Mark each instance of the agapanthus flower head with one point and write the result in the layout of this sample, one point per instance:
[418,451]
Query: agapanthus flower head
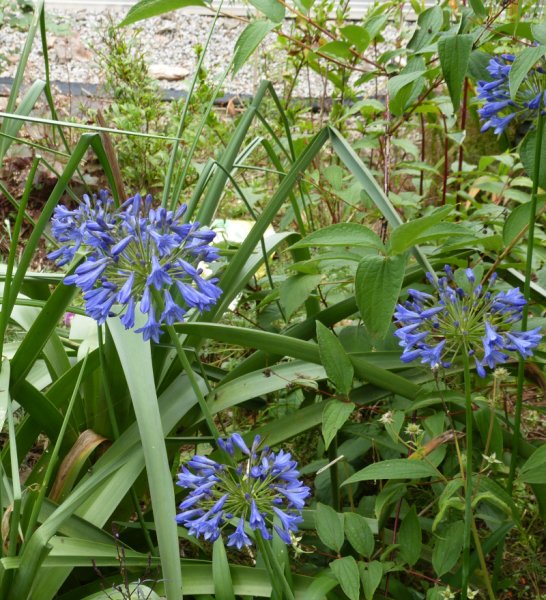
[262,493]
[137,256]
[437,328]
[499,109]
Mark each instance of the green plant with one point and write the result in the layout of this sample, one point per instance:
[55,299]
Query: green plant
[311,345]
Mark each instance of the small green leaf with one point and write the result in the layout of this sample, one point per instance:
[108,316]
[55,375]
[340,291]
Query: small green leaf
[396,468]
[334,416]
[410,538]
[251,37]
[337,49]
[454,52]
[377,287]
[329,526]
[146,9]
[478,7]
[534,470]
[357,35]
[359,534]
[400,87]
[346,572]
[447,548]
[403,237]
[539,32]
[295,290]
[341,234]
[337,364]
[272,9]
[522,65]
[527,156]
[371,575]
[429,23]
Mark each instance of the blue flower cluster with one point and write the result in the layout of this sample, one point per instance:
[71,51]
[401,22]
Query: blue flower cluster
[136,254]
[499,109]
[261,493]
[437,328]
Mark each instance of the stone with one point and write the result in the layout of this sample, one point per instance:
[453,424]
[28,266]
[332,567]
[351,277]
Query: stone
[168,72]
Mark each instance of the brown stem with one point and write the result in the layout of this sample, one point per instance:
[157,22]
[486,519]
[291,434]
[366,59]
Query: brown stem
[446,162]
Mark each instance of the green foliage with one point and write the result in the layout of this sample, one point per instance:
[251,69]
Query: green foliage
[363,200]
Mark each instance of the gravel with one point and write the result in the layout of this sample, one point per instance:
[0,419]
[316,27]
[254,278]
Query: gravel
[169,42]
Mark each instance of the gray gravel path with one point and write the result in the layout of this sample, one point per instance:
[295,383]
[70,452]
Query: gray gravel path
[169,41]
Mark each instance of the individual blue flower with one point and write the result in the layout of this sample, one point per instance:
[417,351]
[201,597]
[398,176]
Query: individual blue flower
[136,256]
[499,108]
[463,316]
[263,491]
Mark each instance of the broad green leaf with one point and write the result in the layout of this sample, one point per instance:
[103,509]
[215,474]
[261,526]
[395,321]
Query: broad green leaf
[304,5]
[357,35]
[396,468]
[337,364]
[454,52]
[264,381]
[146,9]
[371,575]
[524,62]
[4,391]
[251,37]
[539,32]
[136,359]
[334,416]
[517,220]
[410,537]
[223,586]
[295,290]
[478,7]
[337,49]
[329,526]
[272,9]
[534,469]
[341,234]
[399,90]
[403,237]
[445,231]
[527,155]
[320,587]
[346,572]
[477,64]
[378,283]
[447,548]
[359,534]
[429,23]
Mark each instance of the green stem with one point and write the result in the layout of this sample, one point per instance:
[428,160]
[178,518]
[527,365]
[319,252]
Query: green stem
[205,410]
[277,572]
[483,564]
[468,479]
[334,474]
[186,365]
[527,294]
[516,440]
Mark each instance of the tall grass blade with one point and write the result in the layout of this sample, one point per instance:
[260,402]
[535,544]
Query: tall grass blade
[136,359]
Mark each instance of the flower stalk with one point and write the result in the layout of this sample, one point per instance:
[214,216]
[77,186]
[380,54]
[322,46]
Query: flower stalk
[468,518]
